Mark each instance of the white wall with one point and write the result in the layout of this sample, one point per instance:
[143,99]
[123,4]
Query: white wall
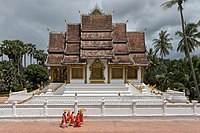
[101,108]
[77,81]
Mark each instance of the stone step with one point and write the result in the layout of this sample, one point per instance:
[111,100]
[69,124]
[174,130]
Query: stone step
[97,89]
[96,92]
[67,94]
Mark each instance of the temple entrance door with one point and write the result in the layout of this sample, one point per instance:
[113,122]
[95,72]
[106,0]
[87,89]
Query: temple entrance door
[97,72]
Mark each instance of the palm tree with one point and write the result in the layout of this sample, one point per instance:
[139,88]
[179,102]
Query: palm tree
[192,34]
[1,52]
[152,59]
[40,56]
[13,49]
[31,50]
[163,44]
[24,52]
[169,4]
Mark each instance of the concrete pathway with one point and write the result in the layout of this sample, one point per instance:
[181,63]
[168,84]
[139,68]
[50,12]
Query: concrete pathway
[102,127]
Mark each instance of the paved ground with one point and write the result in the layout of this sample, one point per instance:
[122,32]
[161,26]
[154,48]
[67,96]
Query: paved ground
[102,127]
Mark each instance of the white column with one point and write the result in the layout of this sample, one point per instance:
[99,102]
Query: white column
[105,71]
[103,107]
[164,107]
[133,107]
[194,107]
[14,108]
[45,107]
[75,106]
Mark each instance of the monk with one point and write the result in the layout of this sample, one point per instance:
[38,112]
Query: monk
[64,120]
[68,116]
[71,120]
[81,117]
[77,120]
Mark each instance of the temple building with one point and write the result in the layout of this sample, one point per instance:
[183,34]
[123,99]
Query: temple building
[96,51]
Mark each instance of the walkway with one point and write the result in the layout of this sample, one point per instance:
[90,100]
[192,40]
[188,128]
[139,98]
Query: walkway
[102,127]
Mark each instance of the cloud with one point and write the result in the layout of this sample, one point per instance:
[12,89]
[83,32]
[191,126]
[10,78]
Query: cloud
[28,20]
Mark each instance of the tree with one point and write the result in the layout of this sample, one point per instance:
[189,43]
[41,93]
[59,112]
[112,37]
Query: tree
[14,50]
[154,68]
[24,52]
[31,50]
[8,76]
[163,44]
[1,52]
[192,34]
[40,56]
[169,4]
[35,74]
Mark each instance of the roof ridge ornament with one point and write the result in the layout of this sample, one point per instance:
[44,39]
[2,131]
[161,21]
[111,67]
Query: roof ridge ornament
[96,10]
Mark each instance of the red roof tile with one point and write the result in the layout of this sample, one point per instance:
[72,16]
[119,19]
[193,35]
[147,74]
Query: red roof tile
[121,59]
[119,32]
[120,48]
[96,35]
[139,59]
[96,22]
[73,33]
[136,41]
[96,54]
[56,42]
[54,59]
[72,48]
[72,59]
[96,44]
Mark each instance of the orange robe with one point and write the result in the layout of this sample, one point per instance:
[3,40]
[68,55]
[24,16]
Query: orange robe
[68,116]
[71,119]
[81,117]
[77,121]
[64,120]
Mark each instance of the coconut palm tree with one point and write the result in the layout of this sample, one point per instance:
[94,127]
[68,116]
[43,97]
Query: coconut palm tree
[192,35]
[163,44]
[169,4]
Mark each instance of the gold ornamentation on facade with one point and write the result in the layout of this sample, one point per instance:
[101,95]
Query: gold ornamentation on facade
[117,72]
[77,73]
[97,70]
[132,72]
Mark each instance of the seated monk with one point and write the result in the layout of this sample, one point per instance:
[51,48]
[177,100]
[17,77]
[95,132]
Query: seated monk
[77,121]
[71,120]
[64,120]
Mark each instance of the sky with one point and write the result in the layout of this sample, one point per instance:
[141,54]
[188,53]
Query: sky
[28,20]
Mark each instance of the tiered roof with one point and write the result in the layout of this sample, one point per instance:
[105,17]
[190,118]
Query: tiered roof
[96,37]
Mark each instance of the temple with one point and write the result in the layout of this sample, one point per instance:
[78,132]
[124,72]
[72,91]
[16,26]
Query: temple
[96,51]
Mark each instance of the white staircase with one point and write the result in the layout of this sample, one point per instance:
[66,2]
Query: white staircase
[96,90]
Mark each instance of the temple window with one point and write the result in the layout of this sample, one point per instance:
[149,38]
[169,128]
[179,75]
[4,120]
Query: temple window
[117,73]
[77,73]
[132,72]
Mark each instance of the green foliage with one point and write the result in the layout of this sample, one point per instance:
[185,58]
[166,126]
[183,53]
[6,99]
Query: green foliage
[192,34]
[174,74]
[12,72]
[163,44]
[8,76]
[35,74]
